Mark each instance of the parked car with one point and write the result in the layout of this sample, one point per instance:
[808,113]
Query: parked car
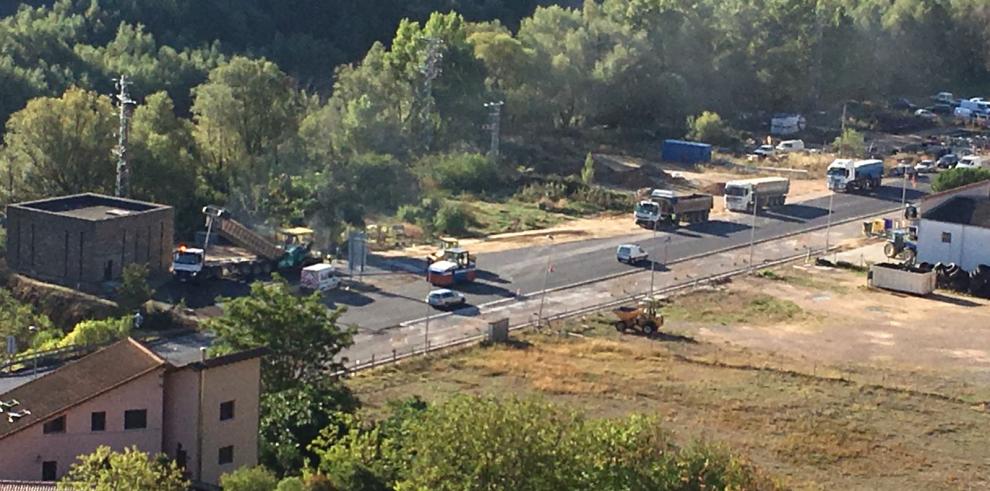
[942,109]
[444,298]
[764,151]
[631,254]
[925,167]
[947,161]
[902,104]
[944,97]
[901,169]
[925,114]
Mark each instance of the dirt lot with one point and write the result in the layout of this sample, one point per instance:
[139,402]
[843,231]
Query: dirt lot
[802,370]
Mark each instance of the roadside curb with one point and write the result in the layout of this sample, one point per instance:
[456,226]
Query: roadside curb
[632,272]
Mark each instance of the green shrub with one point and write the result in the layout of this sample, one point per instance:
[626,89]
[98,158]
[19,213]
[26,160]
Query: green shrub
[955,178]
[462,172]
[255,478]
[453,219]
[710,128]
[850,143]
[134,290]
[92,332]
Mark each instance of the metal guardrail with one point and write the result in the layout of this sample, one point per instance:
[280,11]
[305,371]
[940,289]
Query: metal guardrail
[424,349]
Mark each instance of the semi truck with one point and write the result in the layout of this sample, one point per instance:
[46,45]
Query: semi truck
[253,255]
[744,194]
[849,175]
[669,208]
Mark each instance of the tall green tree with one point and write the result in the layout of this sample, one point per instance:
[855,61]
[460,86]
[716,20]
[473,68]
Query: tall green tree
[62,145]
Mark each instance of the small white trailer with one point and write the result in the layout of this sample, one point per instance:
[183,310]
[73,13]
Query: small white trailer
[901,278]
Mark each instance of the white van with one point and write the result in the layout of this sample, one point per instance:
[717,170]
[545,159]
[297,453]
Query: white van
[787,146]
[319,277]
[972,162]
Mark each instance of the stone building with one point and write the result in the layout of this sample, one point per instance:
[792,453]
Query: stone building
[86,239]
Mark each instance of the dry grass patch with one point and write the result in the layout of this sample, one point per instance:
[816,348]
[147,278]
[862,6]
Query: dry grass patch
[736,307]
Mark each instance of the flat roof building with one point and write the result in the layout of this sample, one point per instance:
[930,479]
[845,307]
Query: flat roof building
[86,239]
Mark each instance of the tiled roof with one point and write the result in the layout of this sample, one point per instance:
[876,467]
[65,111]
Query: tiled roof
[27,486]
[77,382]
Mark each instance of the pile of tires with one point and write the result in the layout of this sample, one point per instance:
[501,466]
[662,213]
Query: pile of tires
[979,281]
[951,277]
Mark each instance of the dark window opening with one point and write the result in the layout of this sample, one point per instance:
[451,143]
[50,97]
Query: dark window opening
[98,421]
[226,455]
[135,419]
[181,457]
[226,410]
[49,470]
[947,237]
[56,425]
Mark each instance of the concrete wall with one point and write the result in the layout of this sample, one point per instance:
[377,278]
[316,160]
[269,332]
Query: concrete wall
[181,417]
[73,252]
[22,453]
[239,382]
[969,246]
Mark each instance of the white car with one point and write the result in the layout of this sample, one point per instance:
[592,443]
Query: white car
[631,254]
[925,167]
[925,114]
[444,298]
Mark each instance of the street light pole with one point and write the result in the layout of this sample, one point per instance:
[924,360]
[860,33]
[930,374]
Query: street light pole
[426,333]
[904,190]
[828,225]
[34,336]
[653,261]
[752,230]
[546,278]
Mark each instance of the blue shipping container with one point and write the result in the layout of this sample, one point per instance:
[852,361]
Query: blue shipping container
[686,152]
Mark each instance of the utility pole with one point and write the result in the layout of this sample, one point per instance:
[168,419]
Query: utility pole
[653,260]
[546,278]
[431,68]
[828,225]
[842,132]
[495,113]
[752,230]
[123,97]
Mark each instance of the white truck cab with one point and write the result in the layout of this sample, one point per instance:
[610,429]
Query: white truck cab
[187,263]
[788,146]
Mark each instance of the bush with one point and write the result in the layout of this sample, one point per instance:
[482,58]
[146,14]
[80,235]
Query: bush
[955,178]
[463,172]
[255,478]
[93,332]
[710,128]
[850,143]
[588,171]
[134,290]
[453,219]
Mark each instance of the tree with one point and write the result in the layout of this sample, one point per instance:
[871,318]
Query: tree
[850,143]
[709,127]
[93,333]
[255,478]
[134,290]
[62,145]
[588,171]
[302,334]
[17,317]
[452,219]
[106,470]
[954,178]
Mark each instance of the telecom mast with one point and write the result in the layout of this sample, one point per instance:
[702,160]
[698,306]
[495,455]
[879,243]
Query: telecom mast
[125,102]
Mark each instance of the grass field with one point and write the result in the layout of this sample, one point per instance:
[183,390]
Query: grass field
[814,430]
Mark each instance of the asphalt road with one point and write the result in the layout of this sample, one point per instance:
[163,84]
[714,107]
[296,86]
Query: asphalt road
[503,274]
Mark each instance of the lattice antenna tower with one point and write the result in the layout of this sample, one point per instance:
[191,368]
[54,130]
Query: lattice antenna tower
[126,105]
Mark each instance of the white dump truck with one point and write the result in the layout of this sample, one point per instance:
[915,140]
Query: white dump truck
[761,192]
[667,207]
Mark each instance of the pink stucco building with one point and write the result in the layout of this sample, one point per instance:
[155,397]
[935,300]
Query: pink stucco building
[204,415]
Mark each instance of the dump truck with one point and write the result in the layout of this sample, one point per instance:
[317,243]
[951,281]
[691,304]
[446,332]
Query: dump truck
[644,317]
[744,194]
[252,255]
[669,208]
[850,175]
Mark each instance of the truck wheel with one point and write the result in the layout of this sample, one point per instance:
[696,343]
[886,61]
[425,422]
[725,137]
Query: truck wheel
[650,328]
[620,326]
[909,256]
[889,250]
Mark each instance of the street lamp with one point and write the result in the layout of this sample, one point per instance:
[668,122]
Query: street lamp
[34,337]
[828,224]
[653,262]
[546,278]
[752,229]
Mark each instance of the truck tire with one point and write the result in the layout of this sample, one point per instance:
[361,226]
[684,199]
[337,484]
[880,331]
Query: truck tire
[889,250]
[650,328]
[620,326]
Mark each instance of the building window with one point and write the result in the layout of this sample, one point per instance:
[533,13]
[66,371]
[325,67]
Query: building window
[135,419]
[49,470]
[226,455]
[56,425]
[226,410]
[946,237]
[98,421]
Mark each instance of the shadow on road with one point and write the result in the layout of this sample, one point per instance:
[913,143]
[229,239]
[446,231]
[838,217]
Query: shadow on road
[492,277]
[648,265]
[720,228]
[202,295]
[893,193]
[479,288]
[467,310]
[962,302]
[795,213]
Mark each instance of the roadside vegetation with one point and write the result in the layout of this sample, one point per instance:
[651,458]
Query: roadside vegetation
[286,121]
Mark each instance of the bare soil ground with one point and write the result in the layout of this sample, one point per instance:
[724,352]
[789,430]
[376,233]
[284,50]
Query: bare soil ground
[804,371]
